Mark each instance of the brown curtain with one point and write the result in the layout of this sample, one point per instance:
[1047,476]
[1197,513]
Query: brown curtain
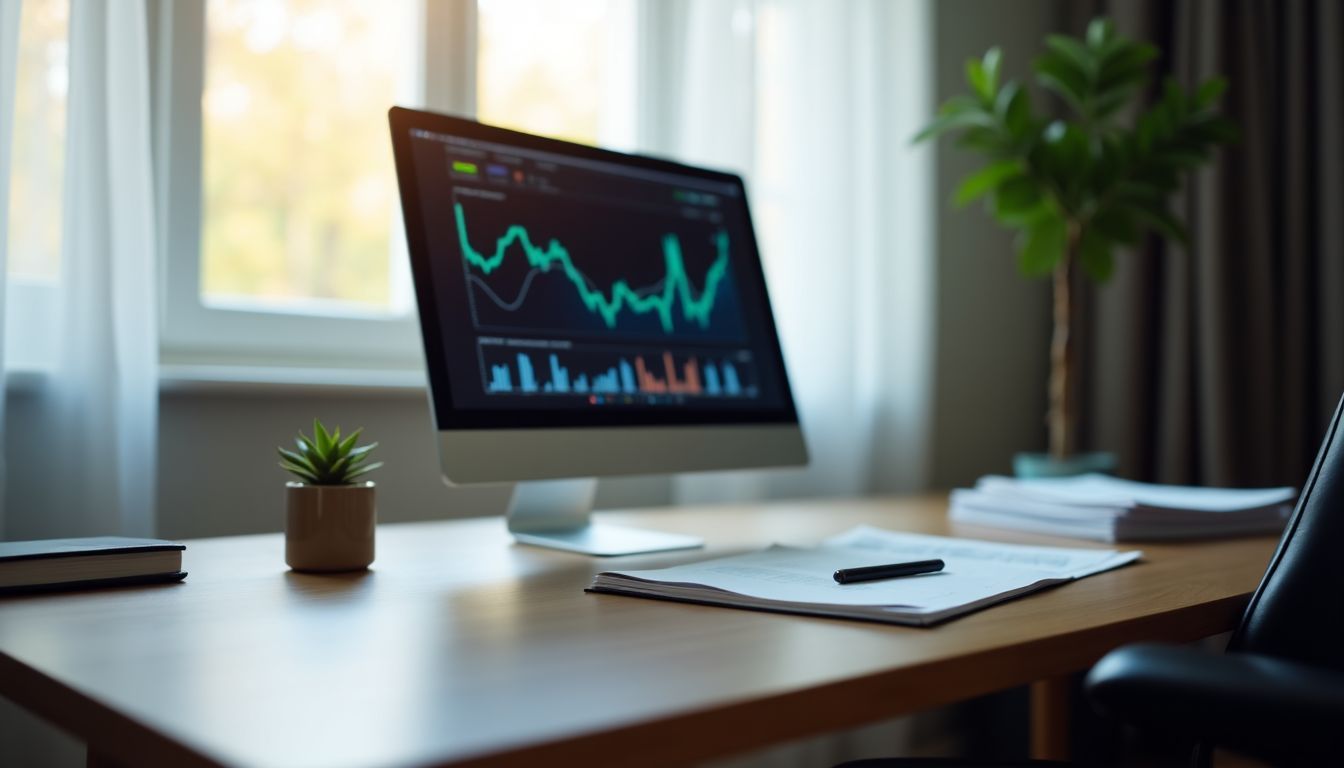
[1220,364]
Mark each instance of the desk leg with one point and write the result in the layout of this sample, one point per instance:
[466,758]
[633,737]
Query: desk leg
[98,760]
[1050,718]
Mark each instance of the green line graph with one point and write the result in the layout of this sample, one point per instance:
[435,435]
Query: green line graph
[676,285]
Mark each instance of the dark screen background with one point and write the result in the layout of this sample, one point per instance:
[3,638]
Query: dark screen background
[583,287]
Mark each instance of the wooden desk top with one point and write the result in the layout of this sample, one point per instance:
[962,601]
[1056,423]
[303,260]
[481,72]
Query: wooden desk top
[461,647]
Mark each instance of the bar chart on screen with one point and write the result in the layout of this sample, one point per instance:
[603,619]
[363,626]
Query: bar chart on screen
[617,373]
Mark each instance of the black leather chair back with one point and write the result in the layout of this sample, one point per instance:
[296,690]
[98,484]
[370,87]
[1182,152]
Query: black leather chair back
[1297,612]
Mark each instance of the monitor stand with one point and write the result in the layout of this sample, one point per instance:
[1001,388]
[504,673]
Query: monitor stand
[555,514]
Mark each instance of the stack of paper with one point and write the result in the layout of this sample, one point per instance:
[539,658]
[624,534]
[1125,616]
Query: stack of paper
[1110,509]
[792,580]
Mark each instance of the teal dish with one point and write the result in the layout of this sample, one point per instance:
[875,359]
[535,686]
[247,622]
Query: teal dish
[1030,465]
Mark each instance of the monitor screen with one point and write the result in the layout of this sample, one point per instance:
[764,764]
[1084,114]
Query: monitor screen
[561,285]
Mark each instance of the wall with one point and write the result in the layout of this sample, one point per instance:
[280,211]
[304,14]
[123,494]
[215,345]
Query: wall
[991,351]
[218,472]
[204,431]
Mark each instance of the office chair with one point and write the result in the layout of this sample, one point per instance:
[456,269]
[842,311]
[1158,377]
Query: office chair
[1278,693]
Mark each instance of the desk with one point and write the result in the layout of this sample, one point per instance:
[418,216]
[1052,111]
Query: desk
[462,648]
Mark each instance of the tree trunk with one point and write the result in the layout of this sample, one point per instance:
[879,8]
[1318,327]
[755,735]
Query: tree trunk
[1061,416]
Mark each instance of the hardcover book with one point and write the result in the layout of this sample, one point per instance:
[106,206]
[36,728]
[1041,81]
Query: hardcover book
[55,564]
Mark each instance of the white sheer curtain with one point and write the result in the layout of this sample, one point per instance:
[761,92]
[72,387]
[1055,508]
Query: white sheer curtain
[97,408]
[9,53]
[815,102]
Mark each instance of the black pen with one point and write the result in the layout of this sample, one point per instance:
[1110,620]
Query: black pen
[892,571]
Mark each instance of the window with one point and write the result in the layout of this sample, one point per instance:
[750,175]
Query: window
[299,191]
[36,177]
[282,235]
[39,141]
[559,69]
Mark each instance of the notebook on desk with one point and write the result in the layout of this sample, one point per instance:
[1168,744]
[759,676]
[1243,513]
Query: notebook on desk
[99,561]
[977,574]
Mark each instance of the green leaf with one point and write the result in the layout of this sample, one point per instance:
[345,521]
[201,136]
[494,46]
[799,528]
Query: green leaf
[1073,50]
[1176,102]
[1140,192]
[363,449]
[349,442]
[320,435]
[1016,199]
[327,458]
[1182,159]
[1065,158]
[985,180]
[953,121]
[321,464]
[1125,63]
[340,469]
[1107,105]
[1211,129]
[983,75]
[363,471]
[987,141]
[991,64]
[961,103]
[1058,75]
[1013,110]
[1161,220]
[1042,247]
[1094,254]
[1210,91]
[299,472]
[301,468]
[1101,172]
[1066,144]
[1116,224]
[295,459]
[979,81]
[1100,32]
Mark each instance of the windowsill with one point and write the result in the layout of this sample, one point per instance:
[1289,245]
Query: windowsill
[24,380]
[268,378]
[229,379]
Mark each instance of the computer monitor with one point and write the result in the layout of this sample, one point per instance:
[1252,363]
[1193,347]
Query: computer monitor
[586,313]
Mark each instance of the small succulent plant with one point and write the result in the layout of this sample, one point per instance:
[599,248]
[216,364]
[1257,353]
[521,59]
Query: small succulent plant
[326,458]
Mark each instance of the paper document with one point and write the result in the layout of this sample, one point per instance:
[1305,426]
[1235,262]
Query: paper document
[799,580]
[1105,491]
[1111,509]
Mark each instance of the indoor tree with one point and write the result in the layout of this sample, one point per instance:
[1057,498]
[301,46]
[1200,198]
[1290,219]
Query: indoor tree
[1080,186]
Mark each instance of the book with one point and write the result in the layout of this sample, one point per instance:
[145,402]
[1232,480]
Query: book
[1111,509]
[976,575]
[54,564]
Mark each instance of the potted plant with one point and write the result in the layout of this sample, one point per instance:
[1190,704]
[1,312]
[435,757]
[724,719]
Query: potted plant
[1079,187]
[330,517]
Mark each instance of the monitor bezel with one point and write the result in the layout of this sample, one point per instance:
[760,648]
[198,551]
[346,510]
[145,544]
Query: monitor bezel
[402,121]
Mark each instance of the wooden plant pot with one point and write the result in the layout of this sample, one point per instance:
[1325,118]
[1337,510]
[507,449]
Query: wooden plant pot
[329,527]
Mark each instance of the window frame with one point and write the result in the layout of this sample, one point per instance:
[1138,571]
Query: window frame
[194,335]
[29,306]
[192,332]
[30,316]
